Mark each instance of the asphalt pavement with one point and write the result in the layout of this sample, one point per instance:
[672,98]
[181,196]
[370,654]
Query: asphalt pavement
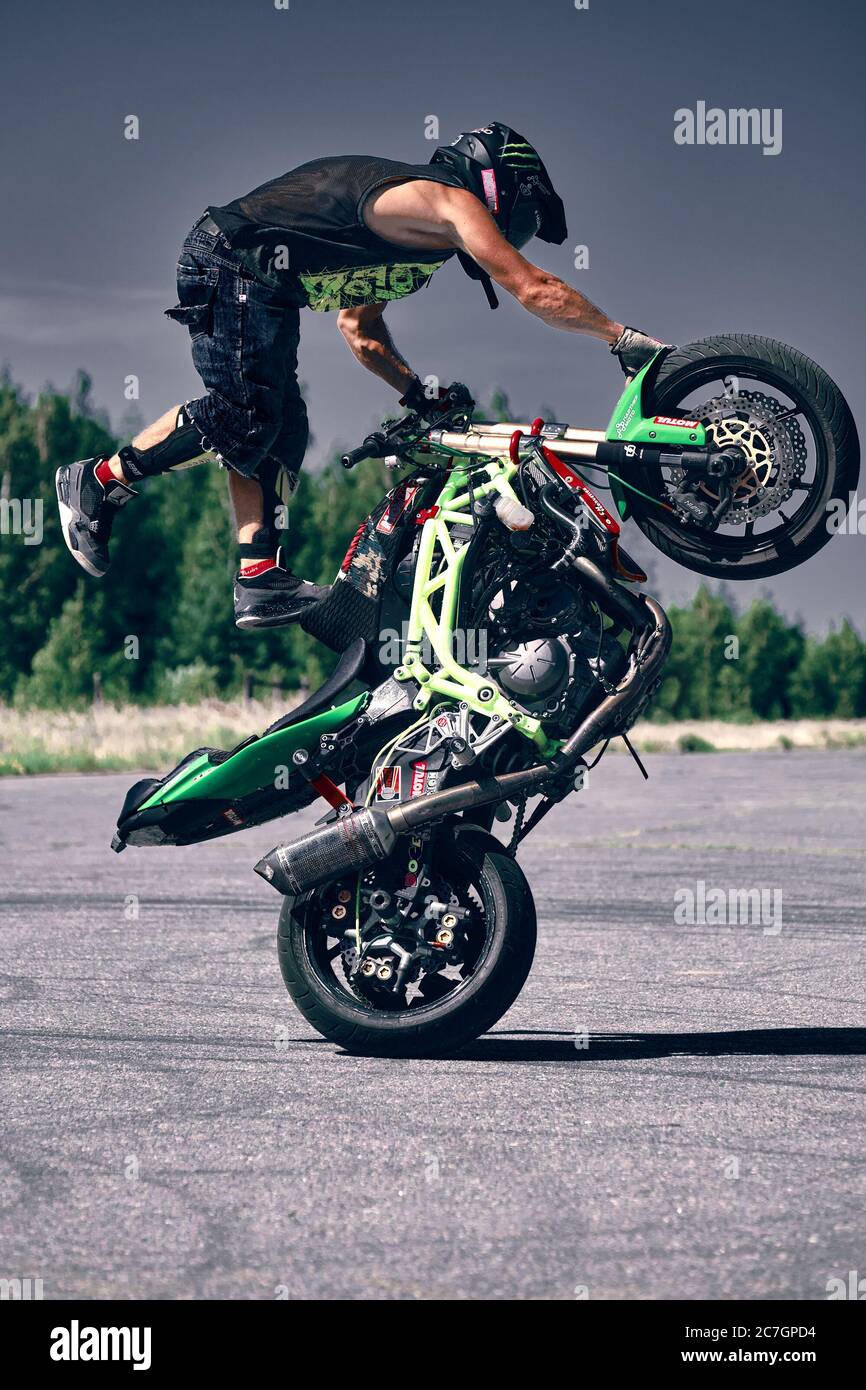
[672,1109]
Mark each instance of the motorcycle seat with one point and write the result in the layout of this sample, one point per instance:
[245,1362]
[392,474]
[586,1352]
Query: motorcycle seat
[347,670]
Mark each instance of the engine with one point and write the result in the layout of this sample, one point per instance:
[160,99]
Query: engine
[551,653]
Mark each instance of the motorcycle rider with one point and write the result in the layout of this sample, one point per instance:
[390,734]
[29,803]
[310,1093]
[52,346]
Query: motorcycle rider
[345,233]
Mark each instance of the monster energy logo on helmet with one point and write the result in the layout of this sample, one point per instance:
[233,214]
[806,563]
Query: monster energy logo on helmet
[519,153]
[507,174]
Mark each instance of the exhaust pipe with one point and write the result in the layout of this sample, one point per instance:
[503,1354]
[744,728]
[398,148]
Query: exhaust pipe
[365,837]
[356,841]
[351,843]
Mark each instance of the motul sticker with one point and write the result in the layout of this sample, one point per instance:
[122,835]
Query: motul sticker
[491,192]
[403,495]
[671,420]
[388,784]
[419,779]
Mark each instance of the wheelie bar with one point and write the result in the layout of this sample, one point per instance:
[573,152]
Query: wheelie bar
[356,841]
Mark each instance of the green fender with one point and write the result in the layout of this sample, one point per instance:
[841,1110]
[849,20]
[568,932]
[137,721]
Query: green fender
[633,422]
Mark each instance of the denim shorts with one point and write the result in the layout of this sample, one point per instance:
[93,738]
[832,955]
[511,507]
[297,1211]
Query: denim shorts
[244,339]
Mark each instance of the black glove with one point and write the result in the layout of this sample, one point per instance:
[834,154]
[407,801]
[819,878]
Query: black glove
[431,407]
[634,349]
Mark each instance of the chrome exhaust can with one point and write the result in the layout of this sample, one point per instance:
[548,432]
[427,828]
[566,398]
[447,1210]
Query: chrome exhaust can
[351,843]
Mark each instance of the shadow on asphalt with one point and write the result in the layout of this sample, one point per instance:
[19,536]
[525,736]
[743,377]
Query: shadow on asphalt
[538,1046]
[541,1045]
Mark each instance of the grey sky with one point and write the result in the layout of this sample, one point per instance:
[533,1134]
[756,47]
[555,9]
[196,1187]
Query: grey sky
[683,241]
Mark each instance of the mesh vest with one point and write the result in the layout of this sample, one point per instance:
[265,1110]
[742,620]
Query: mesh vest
[304,233]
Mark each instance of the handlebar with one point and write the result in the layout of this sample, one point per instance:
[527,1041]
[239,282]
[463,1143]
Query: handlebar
[457,400]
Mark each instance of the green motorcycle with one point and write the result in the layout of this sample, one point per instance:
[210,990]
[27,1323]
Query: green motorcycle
[491,636]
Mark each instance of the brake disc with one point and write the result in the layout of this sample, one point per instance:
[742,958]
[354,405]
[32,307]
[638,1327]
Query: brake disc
[776,453]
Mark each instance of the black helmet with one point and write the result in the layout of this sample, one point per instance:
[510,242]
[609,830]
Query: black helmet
[506,173]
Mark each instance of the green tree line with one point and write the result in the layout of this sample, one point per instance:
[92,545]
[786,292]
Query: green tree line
[160,627]
[755,664]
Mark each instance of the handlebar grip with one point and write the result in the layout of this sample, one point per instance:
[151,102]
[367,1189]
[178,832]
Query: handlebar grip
[355,456]
[372,448]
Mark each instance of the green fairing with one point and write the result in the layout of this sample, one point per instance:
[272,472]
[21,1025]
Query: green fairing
[352,286]
[255,766]
[628,426]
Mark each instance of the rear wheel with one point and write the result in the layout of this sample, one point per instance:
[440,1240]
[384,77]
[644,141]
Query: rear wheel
[430,975]
[801,452]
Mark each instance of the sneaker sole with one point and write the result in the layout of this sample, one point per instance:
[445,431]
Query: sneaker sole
[246,621]
[68,519]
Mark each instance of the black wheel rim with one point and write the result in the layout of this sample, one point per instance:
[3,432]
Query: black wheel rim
[758,539]
[424,993]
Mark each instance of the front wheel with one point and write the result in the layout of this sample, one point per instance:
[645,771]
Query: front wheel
[387,974]
[801,457]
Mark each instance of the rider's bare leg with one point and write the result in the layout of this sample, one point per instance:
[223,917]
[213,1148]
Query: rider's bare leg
[153,434]
[248,503]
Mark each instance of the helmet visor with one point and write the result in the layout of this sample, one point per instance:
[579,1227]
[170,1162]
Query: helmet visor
[524,221]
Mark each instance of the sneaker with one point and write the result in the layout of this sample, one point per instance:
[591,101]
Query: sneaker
[87,511]
[275,597]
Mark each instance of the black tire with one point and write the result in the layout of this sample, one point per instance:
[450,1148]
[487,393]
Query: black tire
[436,1028]
[836,445]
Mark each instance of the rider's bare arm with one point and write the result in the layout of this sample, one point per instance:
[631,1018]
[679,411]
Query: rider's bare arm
[367,334]
[435,216]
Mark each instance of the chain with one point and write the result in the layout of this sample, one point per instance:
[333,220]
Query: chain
[519,813]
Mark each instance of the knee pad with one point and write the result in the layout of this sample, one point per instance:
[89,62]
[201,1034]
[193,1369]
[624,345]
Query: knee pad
[182,447]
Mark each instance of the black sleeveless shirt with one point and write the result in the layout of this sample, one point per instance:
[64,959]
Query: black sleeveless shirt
[304,232]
